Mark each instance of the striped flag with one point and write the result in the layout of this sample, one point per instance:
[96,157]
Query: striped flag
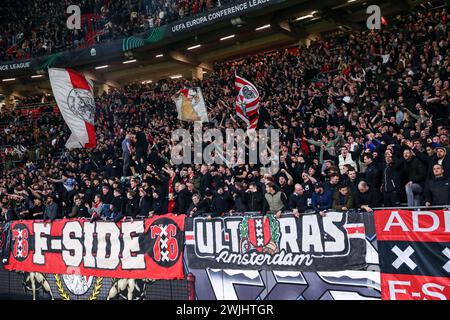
[247,102]
[75,99]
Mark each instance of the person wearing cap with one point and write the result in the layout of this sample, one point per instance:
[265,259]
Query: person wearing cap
[322,199]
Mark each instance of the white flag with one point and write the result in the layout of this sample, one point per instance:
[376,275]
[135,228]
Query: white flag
[75,99]
[190,105]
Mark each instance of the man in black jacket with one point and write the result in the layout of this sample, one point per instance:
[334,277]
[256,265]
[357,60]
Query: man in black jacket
[440,157]
[132,205]
[157,205]
[145,203]
[220,202]
[117,204]
[239,197]
[366,198]
[415,172]
[390,185]
[298,202]
[183,198]
[437,189]
[254,199]
[198,206]
[141,145]
[7,211]
[205,179]
[372,174]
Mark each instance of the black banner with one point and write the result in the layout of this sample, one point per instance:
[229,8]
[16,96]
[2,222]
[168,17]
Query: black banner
[5,242]
[309,243]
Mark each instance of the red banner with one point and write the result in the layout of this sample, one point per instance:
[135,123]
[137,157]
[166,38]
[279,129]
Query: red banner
[139,249]
[414,252]
[405,287]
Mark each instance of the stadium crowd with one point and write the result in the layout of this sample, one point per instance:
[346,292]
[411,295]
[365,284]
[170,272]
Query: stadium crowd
[363,119]
[40,28]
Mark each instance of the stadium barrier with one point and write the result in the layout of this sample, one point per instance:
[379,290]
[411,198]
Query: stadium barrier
[394,253]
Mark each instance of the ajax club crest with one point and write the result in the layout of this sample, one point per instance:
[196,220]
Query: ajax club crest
[260,233]
[82,104]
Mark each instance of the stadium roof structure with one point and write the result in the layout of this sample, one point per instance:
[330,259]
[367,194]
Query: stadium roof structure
[189,47]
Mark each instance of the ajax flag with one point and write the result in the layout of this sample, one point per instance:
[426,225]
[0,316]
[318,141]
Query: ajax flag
[247,102]
[75,99]
[190,105]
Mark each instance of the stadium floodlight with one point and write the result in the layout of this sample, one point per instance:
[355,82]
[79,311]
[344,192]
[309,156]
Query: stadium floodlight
[129,61]
[101,67]
[228,37]
[37,76]
[159,55]
[194,47]
[263,27]
[178,76]
[311,15]
[9,79]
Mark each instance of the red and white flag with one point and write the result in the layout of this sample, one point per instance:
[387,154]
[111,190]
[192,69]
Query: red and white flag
[247,102]
[74,96]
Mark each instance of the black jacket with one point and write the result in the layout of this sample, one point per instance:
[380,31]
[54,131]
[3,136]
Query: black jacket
[145,206]
[299,202]
[220,204]
[437,191]
[254,201]
[79,212]
[372,176]
[132,207]
[205,182]
[390,178]
[8,216]
[239,197]
[370,198]
[203,206]
[183,201]
[445,165]
[414,171]
[158,206]
[118,204]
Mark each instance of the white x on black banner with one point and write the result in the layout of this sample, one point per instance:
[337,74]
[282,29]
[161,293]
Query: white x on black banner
[403,257]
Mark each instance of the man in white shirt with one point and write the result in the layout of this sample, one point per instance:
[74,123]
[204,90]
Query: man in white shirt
[345,158]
